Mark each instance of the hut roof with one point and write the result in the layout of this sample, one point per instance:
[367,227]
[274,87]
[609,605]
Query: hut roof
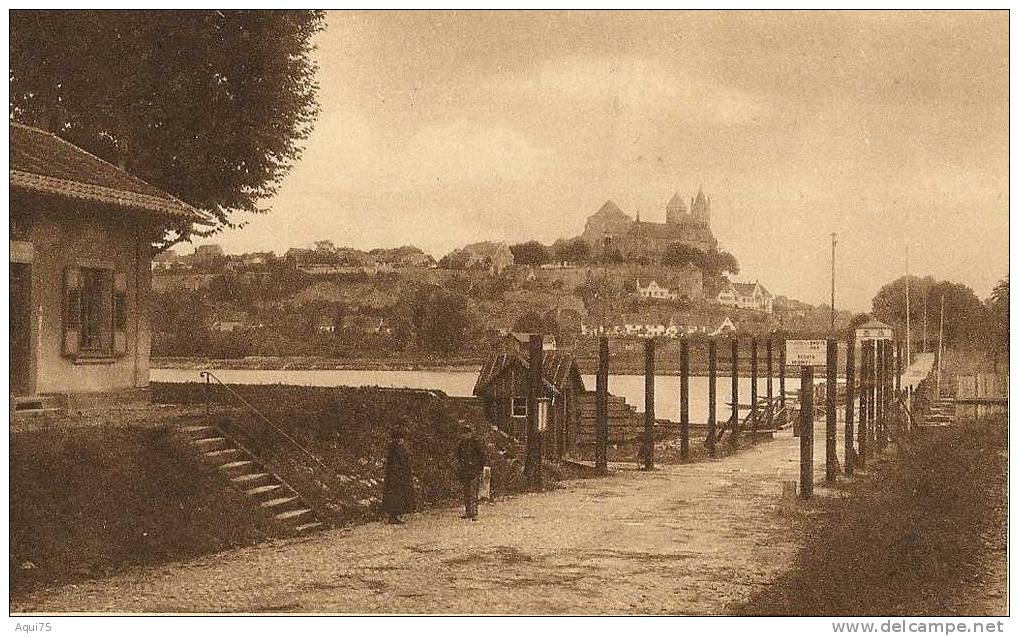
[873,323]
[559,369]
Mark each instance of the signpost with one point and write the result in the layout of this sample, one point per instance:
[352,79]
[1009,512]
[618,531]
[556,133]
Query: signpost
[807,354]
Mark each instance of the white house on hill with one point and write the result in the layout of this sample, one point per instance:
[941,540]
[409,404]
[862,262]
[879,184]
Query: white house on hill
[752,296]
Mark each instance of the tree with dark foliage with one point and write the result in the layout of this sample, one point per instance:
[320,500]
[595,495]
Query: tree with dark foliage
[965,315]
[997,308]
[530,253]
[573,251]
[211,106]
[439,319]
[681,254]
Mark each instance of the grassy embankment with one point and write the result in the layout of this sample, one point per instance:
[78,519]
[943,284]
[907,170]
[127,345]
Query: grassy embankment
[348,429]
[85,502]
[88,501]
[924,534]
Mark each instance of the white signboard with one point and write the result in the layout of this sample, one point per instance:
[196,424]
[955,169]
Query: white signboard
[806,353]
[883,333]
[543,405]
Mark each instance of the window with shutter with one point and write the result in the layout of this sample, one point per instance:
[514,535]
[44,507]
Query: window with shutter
[119,313]
[96,313]
[72,311]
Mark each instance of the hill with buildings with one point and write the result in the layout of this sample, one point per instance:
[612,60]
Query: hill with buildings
[621,276]
[399,304]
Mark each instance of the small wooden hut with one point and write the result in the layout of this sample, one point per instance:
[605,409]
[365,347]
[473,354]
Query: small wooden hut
[502,388]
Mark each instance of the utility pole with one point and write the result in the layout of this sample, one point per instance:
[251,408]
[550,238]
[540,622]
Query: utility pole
[532,458]
[941,346]
[834,242]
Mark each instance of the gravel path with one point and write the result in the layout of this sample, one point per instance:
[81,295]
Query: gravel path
[681,540]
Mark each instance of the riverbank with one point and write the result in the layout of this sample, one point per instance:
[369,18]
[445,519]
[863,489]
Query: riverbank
[309,363]
[924,535]
[666,364]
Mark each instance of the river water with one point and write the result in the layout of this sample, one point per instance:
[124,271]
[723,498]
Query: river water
[461,384]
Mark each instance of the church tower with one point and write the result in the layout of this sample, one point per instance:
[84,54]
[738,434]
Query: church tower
[675,210]
[700,209]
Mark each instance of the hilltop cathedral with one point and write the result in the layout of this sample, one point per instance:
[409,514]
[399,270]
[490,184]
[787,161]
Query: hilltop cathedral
[610,229]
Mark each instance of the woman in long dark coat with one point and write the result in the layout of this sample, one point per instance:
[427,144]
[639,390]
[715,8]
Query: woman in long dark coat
[398,487]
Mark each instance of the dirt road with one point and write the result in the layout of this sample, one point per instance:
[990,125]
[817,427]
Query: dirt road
[681,540]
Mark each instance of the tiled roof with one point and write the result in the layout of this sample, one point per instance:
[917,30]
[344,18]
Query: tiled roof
[558,368]
[747,289]
[42,162]
[873,323]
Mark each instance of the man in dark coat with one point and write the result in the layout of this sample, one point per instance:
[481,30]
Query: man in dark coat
[470,455]
[398,487]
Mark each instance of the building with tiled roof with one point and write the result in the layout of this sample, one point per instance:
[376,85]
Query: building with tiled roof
[82,232]
[753,296]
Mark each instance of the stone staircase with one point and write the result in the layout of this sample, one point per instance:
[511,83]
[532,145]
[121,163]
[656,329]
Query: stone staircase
[941,414]
[245,473]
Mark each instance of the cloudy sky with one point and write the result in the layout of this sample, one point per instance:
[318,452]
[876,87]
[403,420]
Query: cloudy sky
[439,129]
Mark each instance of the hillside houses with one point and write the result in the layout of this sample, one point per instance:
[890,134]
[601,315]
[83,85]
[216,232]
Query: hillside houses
[656,330]
[753,296]
[686,284]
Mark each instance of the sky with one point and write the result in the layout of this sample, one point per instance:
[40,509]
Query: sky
[443,128]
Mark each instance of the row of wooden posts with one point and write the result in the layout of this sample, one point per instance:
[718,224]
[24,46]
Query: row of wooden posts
[879,389]
[881,414]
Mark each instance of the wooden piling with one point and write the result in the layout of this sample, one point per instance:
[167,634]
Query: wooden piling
[712,395]
[831,460]
[806,432]
[848,450]
[879,382]
[868,363]
[771,372]
[890,419]
[863,437]
[734,431]
[684,399]
[532,462]
[753,384]
[781,372]
[883,389]
[909,401]
[647,458]
[601,462]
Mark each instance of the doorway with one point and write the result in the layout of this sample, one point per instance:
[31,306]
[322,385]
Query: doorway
[21,329]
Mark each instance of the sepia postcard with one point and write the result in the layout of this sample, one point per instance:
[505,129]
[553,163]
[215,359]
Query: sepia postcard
[514,313]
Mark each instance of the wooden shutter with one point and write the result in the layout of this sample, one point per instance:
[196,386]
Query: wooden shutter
[119,313]
[72,311]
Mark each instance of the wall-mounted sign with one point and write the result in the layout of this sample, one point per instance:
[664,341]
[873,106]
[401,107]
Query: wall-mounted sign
[543,406]
[806,353]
